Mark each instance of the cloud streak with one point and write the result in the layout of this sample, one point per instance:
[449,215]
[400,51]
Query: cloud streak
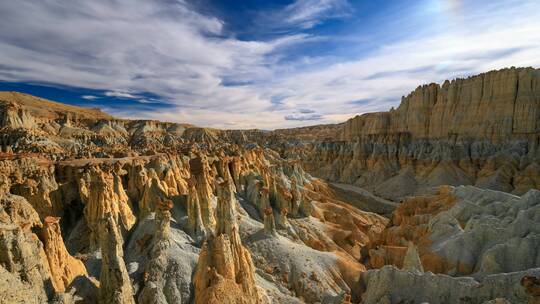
[120,94]
[183,57]
[303,117]
[306,14]
[89,97]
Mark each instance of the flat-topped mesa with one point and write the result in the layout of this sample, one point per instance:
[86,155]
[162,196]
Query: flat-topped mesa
[225,272]
[482,131]
[200,171]
[497,106]
[64,267]
[102,194]
[115,286]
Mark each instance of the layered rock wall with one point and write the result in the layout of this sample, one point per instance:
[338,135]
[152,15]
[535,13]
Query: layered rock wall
[483,131]
[495,106]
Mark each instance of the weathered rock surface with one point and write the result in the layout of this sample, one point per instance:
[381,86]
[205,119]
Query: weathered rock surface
[64,268]
[492,106]
[225,271]
[103,194]
[464,231]
[160,262]
[24,270]
[164,278]
[483,131]
[115,286]
[100,209]
[399,286]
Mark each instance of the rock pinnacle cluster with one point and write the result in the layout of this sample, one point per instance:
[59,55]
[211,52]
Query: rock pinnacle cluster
[435,201]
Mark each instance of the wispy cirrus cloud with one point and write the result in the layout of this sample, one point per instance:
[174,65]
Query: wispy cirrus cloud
[308,13]
[169,52]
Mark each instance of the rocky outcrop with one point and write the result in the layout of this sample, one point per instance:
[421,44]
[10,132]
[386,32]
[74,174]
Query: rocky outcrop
[463,231]
[492,106]
[161,259]
[391,285]
[225,272]
[496,228]
[154,191]
[269,222]
[412,261]
[24,270]
[13,116]
[483,131]
[200,172]
[211,216]
[115,286]
[38,185]
[64,268]
[409,228]
[156,270]
[195,224]
[103,193]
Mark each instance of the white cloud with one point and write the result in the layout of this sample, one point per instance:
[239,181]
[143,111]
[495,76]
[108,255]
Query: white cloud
[166,48]
[120,94]
[308,13]
[89,97]
[377,81]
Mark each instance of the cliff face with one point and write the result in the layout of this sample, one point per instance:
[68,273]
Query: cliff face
[483,131]
[495,106]
[97,209]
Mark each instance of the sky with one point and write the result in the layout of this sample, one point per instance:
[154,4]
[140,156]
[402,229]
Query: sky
[264,64]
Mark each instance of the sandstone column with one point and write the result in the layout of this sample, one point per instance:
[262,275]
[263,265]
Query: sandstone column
[115,286]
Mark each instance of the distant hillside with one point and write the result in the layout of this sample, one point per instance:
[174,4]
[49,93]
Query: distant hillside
[43,108]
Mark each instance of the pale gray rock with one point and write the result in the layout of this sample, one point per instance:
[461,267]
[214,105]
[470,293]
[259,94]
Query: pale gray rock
[500,233]
[175,263]
[412,260]
[24,275]
[401,286]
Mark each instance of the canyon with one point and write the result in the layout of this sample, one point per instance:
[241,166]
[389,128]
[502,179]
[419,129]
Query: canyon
[435,201]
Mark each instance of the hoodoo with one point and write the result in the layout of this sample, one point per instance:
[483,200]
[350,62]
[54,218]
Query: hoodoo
[435,201]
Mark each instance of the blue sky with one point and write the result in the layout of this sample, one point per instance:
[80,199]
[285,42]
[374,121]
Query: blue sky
[255,64]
